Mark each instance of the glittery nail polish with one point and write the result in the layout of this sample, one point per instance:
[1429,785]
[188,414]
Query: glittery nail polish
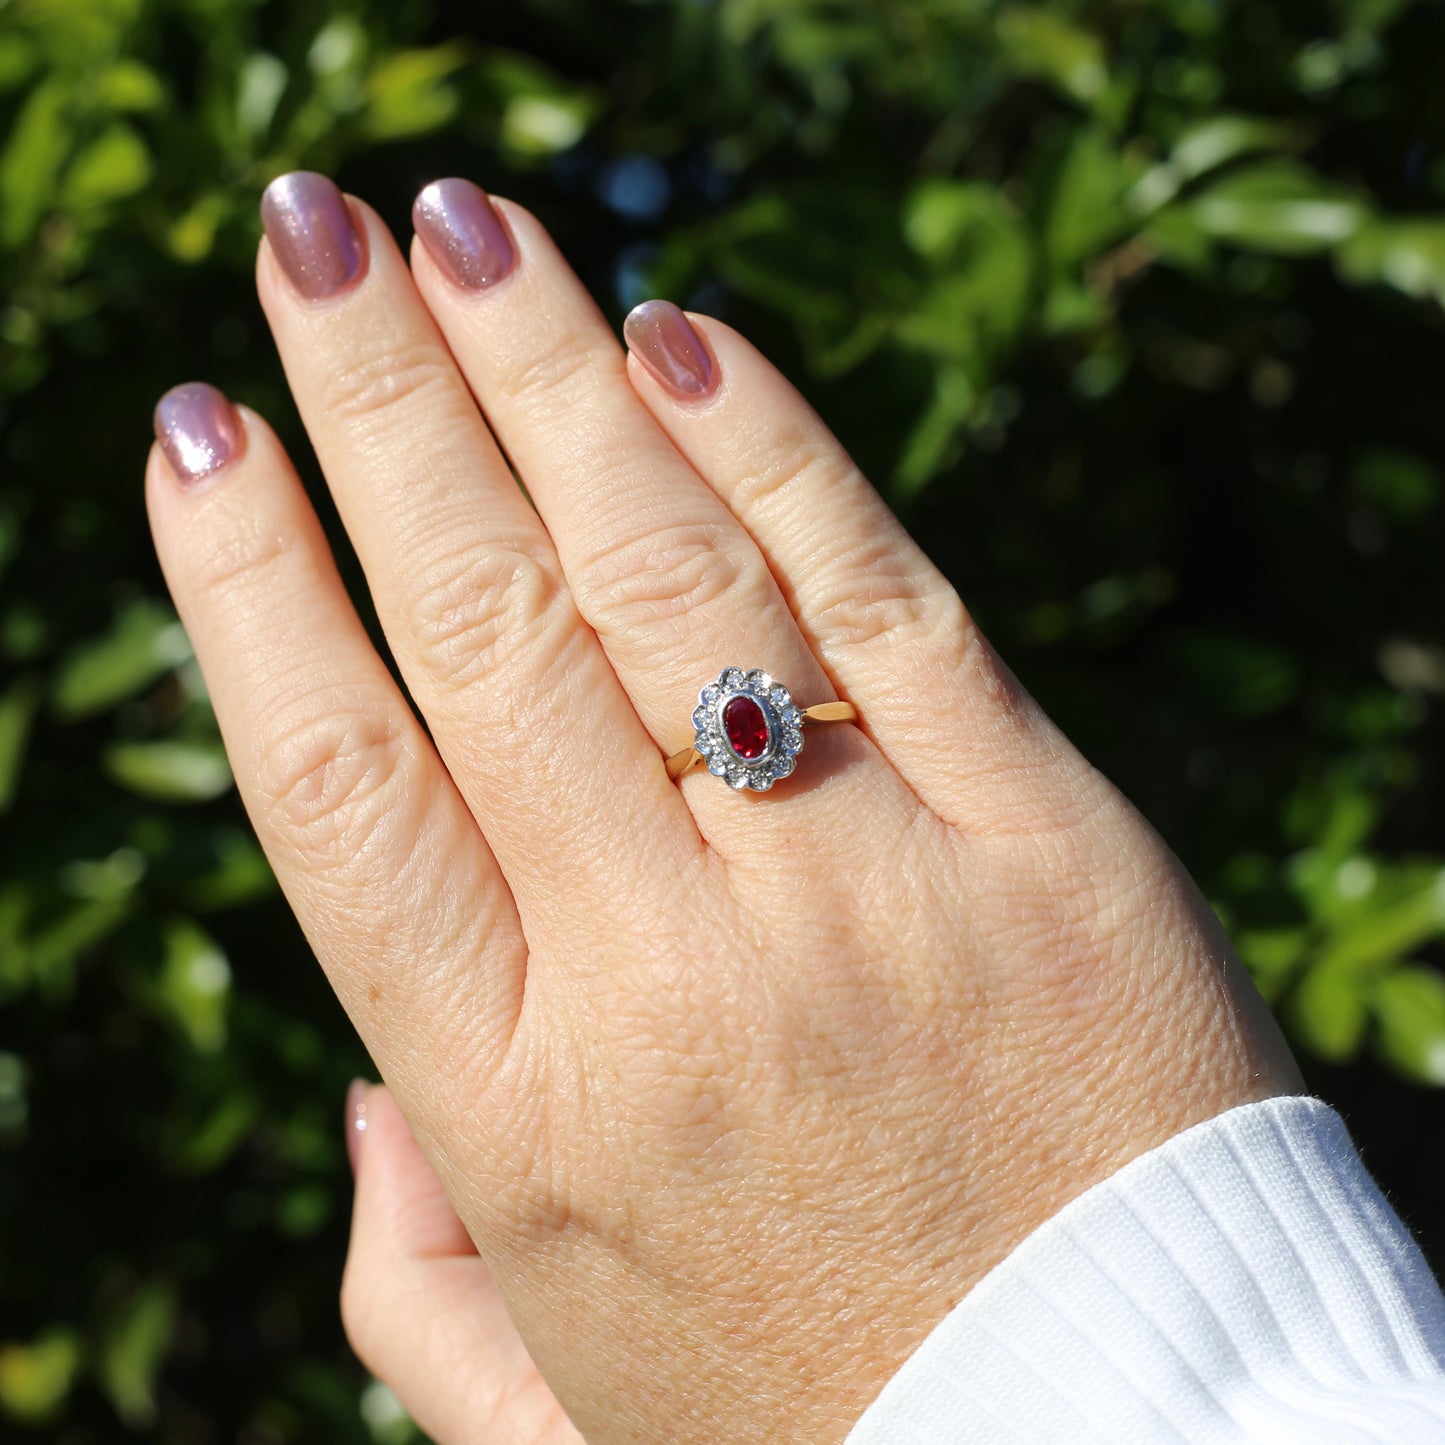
[664,341]
[198,430]
[309,226]
[463,233]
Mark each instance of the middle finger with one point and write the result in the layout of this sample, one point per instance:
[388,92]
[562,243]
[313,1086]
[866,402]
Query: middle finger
[666,576]
[467,584]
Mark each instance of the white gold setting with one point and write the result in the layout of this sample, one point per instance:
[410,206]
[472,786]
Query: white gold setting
[782,719]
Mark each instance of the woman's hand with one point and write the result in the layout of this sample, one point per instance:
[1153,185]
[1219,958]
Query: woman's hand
[736,1094]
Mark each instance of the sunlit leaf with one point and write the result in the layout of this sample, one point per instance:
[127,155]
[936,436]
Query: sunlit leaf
[130,85]
[30,164]
[260,86]
[1409,1008]
[114,165]
[144,641]
[1279,206]
[195,984]
[1330,1013]
[1408,255]
[169,771]
[1045,44]
[36,1378]
[134,1341]
[407,93]
[1083,205]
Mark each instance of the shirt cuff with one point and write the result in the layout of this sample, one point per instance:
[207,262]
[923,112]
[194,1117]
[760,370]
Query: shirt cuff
[1246,1281]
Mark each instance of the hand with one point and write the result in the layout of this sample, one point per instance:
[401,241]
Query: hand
[735,1094]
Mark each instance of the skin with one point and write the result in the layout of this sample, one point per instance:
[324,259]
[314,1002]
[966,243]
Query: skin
[702,1108]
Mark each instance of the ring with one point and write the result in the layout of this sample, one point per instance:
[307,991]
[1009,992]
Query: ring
[747,729]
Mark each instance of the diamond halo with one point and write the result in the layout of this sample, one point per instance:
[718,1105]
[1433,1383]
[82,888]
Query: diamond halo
[747,729]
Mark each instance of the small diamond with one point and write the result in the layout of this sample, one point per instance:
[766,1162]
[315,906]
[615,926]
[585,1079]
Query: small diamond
[780,697]
[710,694]
[717,766]
[792,717]
[758,680]
[737,780]
[732,679]
[783,766]
[705,746]
[792,741]
[700,716]
[760,782]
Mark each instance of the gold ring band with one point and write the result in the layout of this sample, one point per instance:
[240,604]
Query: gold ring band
[748,730]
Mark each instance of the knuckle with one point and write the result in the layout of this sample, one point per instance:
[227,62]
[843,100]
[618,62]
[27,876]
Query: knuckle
[369,386]
[871,598]
[665,576]
[537,377]
[239,555]
[470,611]
[799,462]
[330,778]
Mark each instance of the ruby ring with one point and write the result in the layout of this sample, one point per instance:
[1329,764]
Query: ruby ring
[748,729]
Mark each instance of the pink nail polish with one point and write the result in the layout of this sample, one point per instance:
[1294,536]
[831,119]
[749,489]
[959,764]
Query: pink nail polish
[309,226]
[355,1120]
[198,430]
[463,233]
[663,340]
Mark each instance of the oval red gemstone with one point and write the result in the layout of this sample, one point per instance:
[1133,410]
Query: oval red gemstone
[746,728]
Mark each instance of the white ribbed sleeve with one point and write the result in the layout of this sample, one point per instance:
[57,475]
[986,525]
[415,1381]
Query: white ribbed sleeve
[1245,1281]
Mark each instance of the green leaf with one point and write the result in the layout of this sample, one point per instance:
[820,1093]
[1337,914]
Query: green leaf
[1043,45]
[1083,209]
[1281,207]
[1273,956]
[406,93]
[1407,255]
[541,115]
[260,86]
[169,771]
[35,1379]
[129,85]
[194,986]
[1404,486]
[1330,1012]
[1212,142]
[1204,147]
[114,165]
[134,1341]
[984,264]
[202,1145]
[1410,1011]
[18,705]
[144,642]
[1389,931]
[40,140]
[1239,676]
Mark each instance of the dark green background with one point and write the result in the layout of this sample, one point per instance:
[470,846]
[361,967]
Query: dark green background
[1132,308]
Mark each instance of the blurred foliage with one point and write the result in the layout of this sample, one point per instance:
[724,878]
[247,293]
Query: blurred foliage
[1134,309]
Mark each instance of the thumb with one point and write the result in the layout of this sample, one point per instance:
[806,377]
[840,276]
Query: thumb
[420,1307]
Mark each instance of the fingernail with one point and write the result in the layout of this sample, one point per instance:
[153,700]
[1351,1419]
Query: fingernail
[463,233]
[355,1120]
[663,340]
[309,226]
[198,430]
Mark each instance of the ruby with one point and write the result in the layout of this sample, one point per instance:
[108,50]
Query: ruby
[746,726]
